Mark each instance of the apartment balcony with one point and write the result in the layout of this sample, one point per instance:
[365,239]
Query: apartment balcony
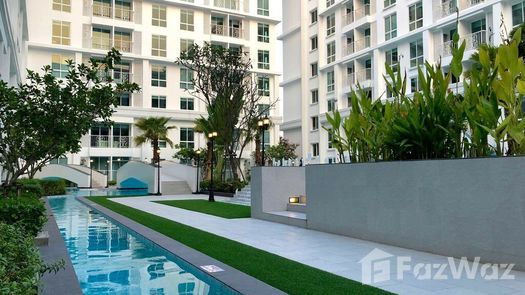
[350,79]
[470,3]
[106,141]
[228,4]
[107,44]
[124,14]
[472,42]
[102,10]
[363,76]
[358,14]
[123,45]
[358,45]
[445,9]
[225,31]
[121,77]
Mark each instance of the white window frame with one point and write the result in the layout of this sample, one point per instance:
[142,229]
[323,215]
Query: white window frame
[187,101]
[158,82]
[265,36]
[156,45]
[419,58]
[159,99]
[330,81]
[417,22]
[187,20]
[392,21]
[62,5]
[263,59]
[159,15]
[330,52]
[186,77]
[330,25]
[64,36]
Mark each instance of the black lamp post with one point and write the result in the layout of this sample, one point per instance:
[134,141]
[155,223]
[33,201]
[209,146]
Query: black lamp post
[107,174]
[198,153]
[263,125]
[158,172]
[211,136]
[90,173]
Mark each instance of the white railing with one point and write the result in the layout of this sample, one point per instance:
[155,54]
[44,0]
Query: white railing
[106,141]
[218,30]
[350,79]
[363,75]
[349,48]
[121,77]
[123,13]
[362,44]
[123,45]
[348,17]
[229,4]
[472,41]
[471,3]
[446,8]
[101,10]
[366,10]
[101,43]
[236,32]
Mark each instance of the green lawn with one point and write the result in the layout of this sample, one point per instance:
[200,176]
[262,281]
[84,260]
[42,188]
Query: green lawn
[220,209]
[287,275]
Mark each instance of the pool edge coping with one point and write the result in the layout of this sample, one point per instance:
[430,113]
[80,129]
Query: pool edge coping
[65,281]
[231,277]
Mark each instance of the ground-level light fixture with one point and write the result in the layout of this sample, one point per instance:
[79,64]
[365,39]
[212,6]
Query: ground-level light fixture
[293,200]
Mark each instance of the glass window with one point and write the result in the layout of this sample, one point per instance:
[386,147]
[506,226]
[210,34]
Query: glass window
[414,85]
[330,52]
[314,69]
[158,15]
[61,33]
[59,66]
[187,139]
[391,59]
[332,105]
[264,110]
[186,20]
[314,96]
[315,123]
[415,16]
[314,43]
[102,8]
[158,45]
[416,53]
[158,101]
[315,149]
[186,44]
[330,139]
[329,3]
[518,14]
[62,5]
[263,86]
[389,3]
[123,10]
[330,81]
[187,103]
[263,59]
[122,71]
[158,76]
[313,16]
[186,78]
[390,26]
[263,7]
[478,26]
[330,25]
[263,33]
[124,99]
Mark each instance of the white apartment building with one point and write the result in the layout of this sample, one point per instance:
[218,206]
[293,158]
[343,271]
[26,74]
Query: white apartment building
[151,34]
[331,45]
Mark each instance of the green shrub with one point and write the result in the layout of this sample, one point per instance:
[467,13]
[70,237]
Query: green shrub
[27,214]
[112,182]
[53,187]
[220,186]
[20,263]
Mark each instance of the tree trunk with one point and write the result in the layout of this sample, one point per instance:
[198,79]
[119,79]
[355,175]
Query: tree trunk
[257,149]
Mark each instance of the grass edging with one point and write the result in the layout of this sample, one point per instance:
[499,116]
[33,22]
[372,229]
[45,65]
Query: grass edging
[219,209]
[287,275]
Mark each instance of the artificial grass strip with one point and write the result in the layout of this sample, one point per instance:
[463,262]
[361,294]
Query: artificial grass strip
[287,275]
[220,209]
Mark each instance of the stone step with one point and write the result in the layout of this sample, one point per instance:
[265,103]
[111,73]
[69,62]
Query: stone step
[300,208]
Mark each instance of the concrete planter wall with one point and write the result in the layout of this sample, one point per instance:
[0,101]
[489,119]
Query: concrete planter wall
[472,207]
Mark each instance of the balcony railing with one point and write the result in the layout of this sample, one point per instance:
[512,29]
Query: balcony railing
[446,8]
[364,75]
[471,3]
[101,10]
[224,31]
[358,14]
[106,141]
[472,41]
[228,4]
[362,44]
[350,79]
[123,45]
[349,48]
[121,77]
[101,43]
[123,13]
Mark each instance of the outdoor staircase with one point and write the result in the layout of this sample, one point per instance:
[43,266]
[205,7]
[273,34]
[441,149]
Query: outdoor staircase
[175,188]
[243,197]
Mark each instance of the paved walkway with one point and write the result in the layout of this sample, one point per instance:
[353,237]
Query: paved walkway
[333,253]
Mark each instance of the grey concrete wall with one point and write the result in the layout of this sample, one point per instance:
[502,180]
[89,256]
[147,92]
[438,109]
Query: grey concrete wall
[280,183]
[473,207]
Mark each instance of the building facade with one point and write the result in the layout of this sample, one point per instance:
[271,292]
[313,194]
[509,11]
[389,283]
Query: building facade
[331,45]
[150,35]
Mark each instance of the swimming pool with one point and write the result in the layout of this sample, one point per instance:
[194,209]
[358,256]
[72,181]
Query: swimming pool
[108,258]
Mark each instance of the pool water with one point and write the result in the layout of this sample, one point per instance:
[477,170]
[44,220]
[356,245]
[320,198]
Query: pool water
[108,258]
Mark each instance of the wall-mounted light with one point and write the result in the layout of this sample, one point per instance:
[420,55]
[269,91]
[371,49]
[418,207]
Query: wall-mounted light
[293,200]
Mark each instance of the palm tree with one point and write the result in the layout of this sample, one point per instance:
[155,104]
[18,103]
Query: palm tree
[154,129]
